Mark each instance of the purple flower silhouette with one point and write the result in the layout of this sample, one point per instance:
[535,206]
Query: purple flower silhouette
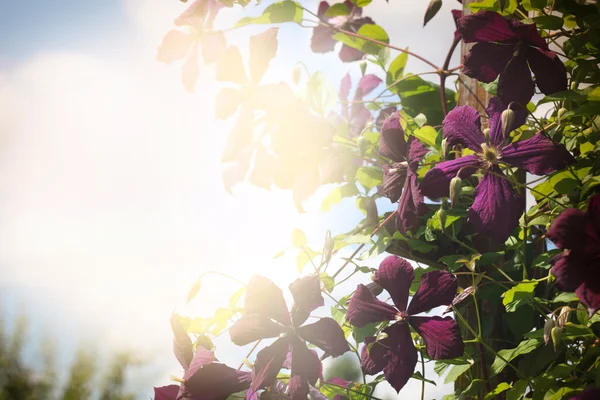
[402,174]
[578,268]
[591,393]
[356,113]
[179,43]
[396,354]
[322,39]
[510,48]
[497,207]
[205,378]
[266,316]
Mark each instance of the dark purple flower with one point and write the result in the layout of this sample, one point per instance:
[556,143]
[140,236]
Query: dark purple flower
[356,113]
[590,393]
[177,44]
[395,354]
[400,177]
[497,207]
[266,316]
[578,268]
[510,48]
[322,39]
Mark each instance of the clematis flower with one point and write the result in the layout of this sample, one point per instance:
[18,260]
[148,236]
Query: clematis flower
[357,114]
[322,39]
[396,354]
[578,268]
[400,177]
[266,316]
[205,378]
[510,49]
[195,29]
[497,207]
[591,393]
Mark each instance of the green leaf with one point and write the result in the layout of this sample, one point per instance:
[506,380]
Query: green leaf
[298,238]
[396,69]
[362,3]
[369,177]
[426,135]
[371,31]
[421,246]
[518,295]
[282,11]
[518,390]
[473,389]
[337,194]
[418,376]
[525,347]
[565,298]
[320,94]
[456,371]
[551,22]
[336,10]
[502,387]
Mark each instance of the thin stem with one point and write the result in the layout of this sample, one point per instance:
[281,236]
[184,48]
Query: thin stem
[249,353]
[422,373]
[444,72]
[385,221]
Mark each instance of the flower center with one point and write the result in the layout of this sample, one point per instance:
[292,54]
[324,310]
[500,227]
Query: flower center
[402,316]
[489,155]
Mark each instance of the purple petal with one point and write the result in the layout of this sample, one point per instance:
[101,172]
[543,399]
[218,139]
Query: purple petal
[366,85]
[568,229]
[323,7]
[485,26]
[412,204]
[391,142]
[251,328]
[383,115]
[322,40]
[589,291]
[202,358]
[401,358]
[307,297]
[550,72]
[268,363]
[528,33]
[199,14]
[216,381]
[326,334]
[306,370]
[213,45]
[349,54]
[441,335]
[182,344]
[166,392]
[263,48]
[364,308]
[437,288]
[497,207]
[591,393]
[345,86]
[515,83]
[462,126]
[486,61]
[360,115]
[175,46]
[395,275]
[372,361]
[537,155]
[264,298]
[436,182]
[416,151]
[568,272]
[394,177]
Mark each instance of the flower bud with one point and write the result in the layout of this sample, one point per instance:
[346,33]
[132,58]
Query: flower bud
[455,188]
[548,326]
[560,113]
[444,147]
[502,4]
[507,119]
[486,133]
[563,317]
[363,67]
[328,247]
[432,9]
[363,144]
[374,288]
[441,214]
[556,335]
[296,72]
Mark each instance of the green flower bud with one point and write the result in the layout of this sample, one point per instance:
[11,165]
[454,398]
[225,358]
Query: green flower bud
[441,214]
[363,144]
[563,317]
[556,334]
[560,113]
[296,72]
[455,188]
[507,119]
[363,67]
[548,326]
[486,133]
[444,147]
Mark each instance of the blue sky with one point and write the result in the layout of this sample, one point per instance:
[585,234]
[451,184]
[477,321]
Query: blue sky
[111,198]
